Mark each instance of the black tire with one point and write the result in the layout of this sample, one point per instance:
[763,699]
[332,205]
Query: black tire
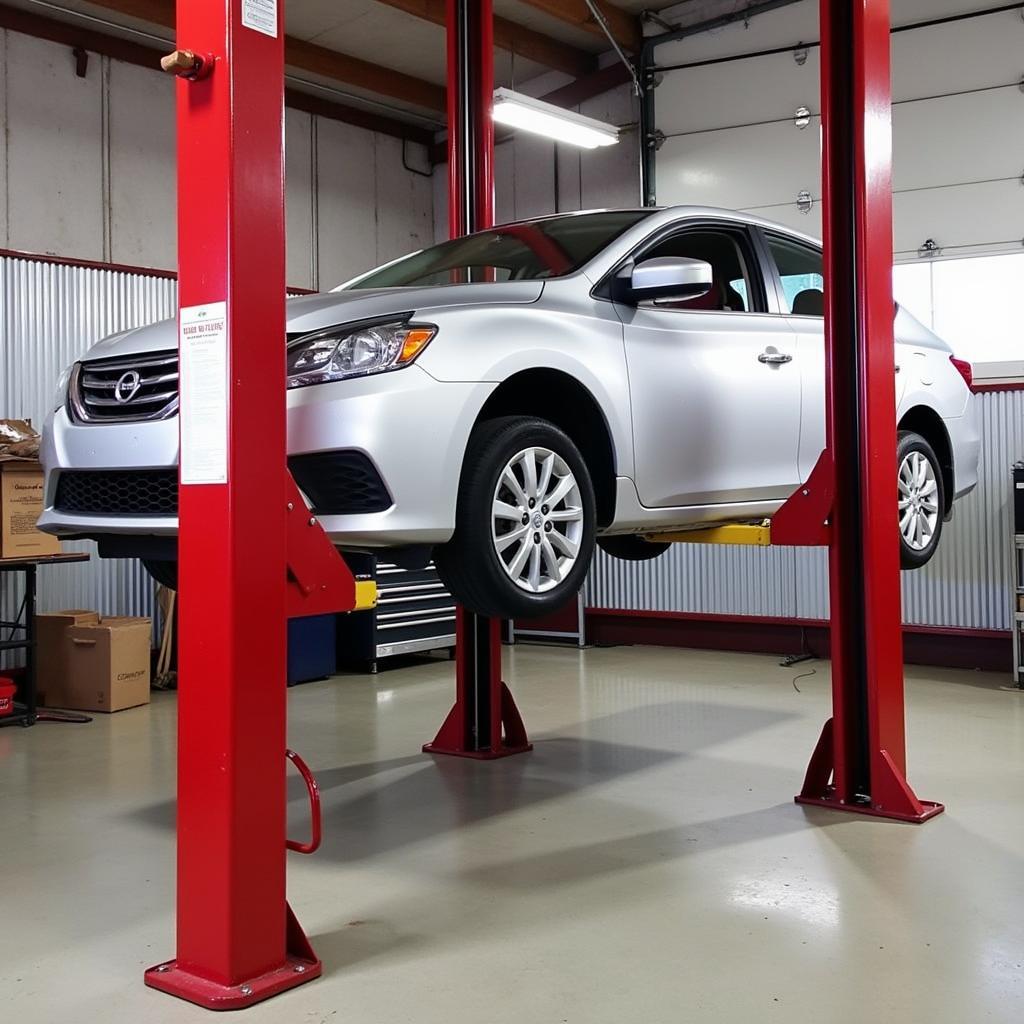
[908,443]
[164,572]
[469,564]
[631,548]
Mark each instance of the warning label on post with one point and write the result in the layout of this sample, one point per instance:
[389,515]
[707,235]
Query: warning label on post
[260,15]
[204,393]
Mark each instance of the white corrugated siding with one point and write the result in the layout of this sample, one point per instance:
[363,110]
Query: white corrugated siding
[966,585]
[49,315]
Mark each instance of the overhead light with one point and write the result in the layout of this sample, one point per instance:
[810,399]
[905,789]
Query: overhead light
[532,115]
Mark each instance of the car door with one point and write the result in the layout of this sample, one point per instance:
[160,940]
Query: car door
[799,277]
[714,384]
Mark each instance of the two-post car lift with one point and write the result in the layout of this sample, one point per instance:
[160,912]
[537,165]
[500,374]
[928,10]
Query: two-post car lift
[250,551]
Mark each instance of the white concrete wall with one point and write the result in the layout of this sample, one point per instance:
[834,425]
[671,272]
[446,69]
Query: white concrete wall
[87,171]
[525,167]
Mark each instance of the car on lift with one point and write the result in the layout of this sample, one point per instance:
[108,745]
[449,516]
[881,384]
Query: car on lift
[504,401]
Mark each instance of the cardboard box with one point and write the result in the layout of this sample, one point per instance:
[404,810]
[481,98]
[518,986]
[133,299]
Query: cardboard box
[52,647]
[107,664]
[21,504]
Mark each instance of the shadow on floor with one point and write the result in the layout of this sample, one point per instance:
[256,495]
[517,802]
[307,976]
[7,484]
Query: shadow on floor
[434,795]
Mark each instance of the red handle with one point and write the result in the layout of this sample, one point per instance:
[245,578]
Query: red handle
[314,807]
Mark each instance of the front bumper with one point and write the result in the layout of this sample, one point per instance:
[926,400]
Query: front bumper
[413,428]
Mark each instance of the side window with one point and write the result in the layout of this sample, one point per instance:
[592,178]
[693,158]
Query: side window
[733,286]
[800,270]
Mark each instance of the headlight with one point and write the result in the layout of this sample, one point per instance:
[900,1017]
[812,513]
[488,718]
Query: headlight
[62,388]
[342,352]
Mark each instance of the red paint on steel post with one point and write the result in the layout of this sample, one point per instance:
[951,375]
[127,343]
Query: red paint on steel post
[484,721]
[237,941]
[860,761]
[470,125]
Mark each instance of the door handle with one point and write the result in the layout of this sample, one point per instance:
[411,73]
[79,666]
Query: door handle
[774,358]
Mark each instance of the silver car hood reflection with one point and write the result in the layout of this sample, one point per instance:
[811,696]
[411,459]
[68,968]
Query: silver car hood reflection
[315,312]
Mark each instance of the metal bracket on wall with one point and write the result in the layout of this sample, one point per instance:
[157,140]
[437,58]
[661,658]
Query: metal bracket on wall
[929,249]
[800,55]
[802,117]
[804,201]
[656,139]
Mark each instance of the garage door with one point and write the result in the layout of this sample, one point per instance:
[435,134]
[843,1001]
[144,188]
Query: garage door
[728,109]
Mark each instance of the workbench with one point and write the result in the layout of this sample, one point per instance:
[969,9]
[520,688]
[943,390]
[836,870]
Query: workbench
[21,631]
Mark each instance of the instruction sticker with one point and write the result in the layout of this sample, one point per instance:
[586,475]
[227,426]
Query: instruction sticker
[261,16]
[204,393]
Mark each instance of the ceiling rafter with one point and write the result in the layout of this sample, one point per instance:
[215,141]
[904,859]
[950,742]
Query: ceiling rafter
[517,39]
[624,26]
[147,55]
[310,58]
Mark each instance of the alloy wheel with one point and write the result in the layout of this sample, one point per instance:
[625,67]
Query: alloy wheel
[537,519]
[918,501]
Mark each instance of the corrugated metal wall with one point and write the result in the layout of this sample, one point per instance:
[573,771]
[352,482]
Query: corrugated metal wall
[49,315]
[966,585]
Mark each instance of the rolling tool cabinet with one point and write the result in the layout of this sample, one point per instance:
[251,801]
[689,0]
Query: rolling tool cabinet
[414,613]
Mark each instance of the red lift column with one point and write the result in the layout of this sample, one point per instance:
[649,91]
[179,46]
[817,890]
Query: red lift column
[237,941]
[484,722]
[860,761]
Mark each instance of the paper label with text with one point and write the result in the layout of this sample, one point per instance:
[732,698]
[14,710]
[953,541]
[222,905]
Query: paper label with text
[204,393]
[261,16]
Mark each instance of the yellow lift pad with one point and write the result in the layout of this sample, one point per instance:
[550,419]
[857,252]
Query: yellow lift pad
[366,595]
[733,533]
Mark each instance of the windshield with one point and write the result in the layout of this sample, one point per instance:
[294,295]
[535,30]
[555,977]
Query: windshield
[530,251]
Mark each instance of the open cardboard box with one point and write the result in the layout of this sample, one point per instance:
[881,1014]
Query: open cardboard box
[88,663]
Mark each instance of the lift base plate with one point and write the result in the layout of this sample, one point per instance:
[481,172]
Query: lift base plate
[177,981]
[301,965]
[929,809]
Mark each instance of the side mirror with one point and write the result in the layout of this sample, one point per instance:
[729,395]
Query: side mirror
[676,277]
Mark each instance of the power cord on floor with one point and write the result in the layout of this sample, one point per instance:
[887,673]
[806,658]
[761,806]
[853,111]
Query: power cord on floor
[796,659]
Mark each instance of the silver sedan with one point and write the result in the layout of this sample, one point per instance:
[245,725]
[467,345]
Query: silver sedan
[507,400]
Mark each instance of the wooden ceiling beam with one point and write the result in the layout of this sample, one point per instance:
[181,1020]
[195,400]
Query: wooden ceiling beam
[508,35]
[310,58]
[624,26]
[147,55]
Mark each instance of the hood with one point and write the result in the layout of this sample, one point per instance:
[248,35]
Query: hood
[315,312]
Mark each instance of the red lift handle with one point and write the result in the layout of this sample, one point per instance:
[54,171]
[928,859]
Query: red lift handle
[314,807]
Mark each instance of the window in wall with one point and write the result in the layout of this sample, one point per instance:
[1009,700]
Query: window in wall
[803,283]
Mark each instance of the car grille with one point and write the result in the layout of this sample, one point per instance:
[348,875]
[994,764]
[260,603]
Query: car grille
[337,483]
[126,389]
[138,492]
[340,483]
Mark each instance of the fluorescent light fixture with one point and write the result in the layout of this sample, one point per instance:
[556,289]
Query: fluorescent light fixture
[531,115]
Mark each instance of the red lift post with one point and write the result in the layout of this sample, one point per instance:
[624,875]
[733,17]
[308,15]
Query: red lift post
[249,551]
[859,763]
[484,722]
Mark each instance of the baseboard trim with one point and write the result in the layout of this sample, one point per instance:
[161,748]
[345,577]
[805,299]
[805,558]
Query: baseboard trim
[937,646]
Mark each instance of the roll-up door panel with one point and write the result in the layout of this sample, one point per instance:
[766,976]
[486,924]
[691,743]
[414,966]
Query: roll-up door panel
[761,165]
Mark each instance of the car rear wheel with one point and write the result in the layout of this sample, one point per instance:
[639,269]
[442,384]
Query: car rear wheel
[921,499]
[525,520]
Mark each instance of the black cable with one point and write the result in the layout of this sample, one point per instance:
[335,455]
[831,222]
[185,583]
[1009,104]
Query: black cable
[896,30]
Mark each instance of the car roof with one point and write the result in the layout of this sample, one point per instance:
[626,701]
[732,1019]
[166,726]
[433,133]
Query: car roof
[660,215]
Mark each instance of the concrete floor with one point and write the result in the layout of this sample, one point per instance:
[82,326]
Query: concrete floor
[644,864]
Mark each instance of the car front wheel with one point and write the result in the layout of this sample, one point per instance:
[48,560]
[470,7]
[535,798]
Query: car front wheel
[525,520]
[921,499]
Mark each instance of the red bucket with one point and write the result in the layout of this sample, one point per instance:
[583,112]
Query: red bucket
[6,696]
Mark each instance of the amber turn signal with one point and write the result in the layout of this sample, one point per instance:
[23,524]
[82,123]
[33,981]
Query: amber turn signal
[415,342]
